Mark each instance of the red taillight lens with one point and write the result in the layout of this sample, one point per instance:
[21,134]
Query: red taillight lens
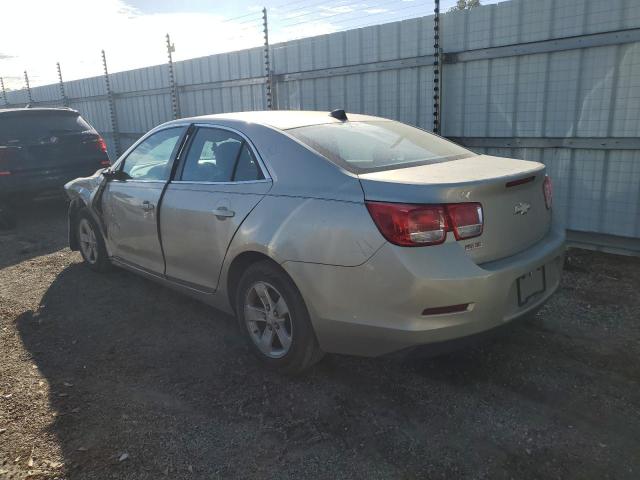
[466,219]
[547,188]
[410,225]
[421,225]
[101,144]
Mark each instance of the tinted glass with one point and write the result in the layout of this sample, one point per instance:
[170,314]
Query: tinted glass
[369,146]
[212,156]
[247,168]
[151,160]
[21,127]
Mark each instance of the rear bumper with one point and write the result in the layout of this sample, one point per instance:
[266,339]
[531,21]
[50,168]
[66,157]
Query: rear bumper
[23,184]
[376,308]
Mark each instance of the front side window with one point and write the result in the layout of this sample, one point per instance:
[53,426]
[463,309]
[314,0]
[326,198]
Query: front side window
[217,155]
[377,145]
[151,159]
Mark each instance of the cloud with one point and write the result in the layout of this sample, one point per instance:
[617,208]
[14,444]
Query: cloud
[74,31]
[340,9]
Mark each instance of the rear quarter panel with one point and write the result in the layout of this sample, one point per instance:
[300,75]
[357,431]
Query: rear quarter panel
[310,230]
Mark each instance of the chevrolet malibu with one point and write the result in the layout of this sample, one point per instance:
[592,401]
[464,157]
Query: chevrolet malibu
[325,232]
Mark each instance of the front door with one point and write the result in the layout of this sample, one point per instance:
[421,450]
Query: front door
[216,187]
[131,206]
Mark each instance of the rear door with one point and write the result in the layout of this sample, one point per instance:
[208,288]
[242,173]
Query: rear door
[130,207]
[219,182]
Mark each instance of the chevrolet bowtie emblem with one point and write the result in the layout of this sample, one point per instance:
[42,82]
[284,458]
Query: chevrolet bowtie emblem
[521,208]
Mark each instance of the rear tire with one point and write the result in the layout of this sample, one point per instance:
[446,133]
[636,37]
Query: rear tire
[274,319]
[90,242]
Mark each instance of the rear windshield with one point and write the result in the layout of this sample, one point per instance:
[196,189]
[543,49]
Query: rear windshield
[362,147]
[34,126]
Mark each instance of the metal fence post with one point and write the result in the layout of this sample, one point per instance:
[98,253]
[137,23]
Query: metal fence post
[112,107]
[437,68]
[175,100]
[26,81]
[267,61]
[4,93]
[63,95]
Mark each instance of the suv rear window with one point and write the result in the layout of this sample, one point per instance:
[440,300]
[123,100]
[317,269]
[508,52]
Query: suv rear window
[362,147]
[18,127]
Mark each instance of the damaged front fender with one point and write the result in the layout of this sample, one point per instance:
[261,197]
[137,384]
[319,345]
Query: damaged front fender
[84,193]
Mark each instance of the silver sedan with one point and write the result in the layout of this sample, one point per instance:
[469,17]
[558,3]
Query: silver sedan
[325,232]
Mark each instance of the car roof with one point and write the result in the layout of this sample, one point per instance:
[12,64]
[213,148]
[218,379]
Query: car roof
[36,109]
[282,119]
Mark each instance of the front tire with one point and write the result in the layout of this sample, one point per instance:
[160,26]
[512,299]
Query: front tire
[91,243]
[274,319]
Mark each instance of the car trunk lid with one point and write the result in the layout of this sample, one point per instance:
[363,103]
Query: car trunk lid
[510,191]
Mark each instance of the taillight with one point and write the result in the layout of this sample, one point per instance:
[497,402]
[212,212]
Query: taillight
[410,225]
[101,144]
[420,225]
[466,219]
[547,188]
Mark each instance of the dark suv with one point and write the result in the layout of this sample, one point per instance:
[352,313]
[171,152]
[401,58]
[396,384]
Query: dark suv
[43,148]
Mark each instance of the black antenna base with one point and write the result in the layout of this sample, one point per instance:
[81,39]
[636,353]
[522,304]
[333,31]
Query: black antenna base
[339,115]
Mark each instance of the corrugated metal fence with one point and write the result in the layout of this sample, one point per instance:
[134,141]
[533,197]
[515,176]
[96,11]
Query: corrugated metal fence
[556,81]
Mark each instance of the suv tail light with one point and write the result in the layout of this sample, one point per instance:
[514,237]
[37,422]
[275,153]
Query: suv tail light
[101,144]
[410,225]
[547,188]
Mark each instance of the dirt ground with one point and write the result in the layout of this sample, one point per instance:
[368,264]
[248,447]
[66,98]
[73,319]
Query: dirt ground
[112,376]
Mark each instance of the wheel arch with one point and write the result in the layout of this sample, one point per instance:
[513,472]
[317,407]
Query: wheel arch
[239,265]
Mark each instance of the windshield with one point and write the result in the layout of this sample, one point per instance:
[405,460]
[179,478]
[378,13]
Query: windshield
[377,145]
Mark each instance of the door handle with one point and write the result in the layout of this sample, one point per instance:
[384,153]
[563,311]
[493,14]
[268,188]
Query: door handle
[147,206]
[223,212]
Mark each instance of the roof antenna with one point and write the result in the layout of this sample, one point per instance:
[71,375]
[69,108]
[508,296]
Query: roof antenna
[339,115]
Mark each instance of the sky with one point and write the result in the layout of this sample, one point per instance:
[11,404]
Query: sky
[36,34]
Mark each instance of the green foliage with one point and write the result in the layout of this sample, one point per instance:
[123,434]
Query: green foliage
[464,5]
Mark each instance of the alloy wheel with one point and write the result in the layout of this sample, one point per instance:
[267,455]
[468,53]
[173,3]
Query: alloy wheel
[88,242]
[268,319]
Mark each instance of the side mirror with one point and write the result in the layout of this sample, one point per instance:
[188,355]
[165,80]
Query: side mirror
[115,175]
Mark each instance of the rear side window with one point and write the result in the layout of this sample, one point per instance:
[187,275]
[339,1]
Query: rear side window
[217,155]
[247,168]
[377,145]
[20,127]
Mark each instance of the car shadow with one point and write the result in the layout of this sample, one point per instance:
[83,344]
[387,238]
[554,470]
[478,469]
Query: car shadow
[138,370]
[148,383]
[41,227]
[118,350]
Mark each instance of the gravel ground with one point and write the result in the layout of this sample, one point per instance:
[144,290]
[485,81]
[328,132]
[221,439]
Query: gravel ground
[112,376]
